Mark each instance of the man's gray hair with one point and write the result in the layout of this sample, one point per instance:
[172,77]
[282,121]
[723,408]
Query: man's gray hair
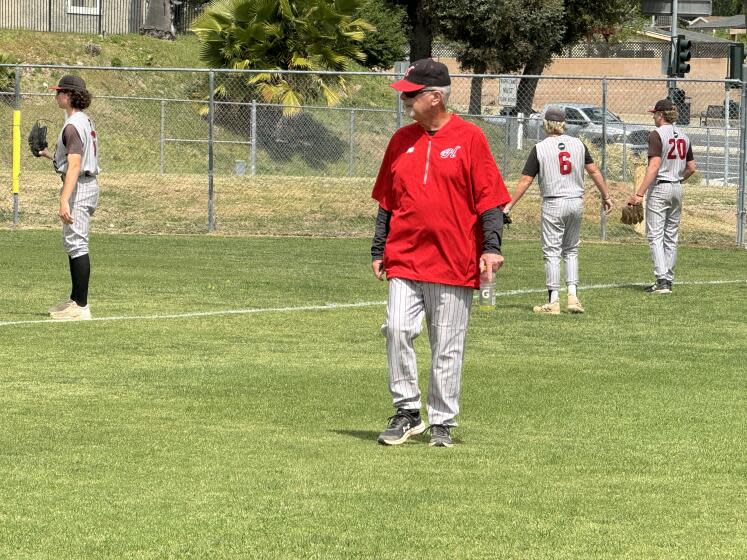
[445,92]
[554,127]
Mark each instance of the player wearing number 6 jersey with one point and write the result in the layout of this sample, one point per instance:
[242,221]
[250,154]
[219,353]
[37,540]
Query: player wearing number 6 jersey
[670,162]
[560,160]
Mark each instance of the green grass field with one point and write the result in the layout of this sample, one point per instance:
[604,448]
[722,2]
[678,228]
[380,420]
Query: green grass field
[617,434]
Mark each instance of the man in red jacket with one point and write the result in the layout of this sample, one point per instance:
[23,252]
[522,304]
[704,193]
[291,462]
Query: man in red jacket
[438,227]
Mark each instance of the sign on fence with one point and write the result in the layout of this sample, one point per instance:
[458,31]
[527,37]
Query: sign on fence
[507,91]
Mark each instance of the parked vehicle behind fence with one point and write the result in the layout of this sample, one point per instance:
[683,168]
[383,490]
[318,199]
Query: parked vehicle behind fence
[585,121]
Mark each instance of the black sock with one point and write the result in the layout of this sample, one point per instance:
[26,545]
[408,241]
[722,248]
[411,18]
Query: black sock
[80,270]
[72,278]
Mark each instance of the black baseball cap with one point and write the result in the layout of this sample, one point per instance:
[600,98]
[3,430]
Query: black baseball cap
[555,114]
[70,83]
[423,73]
[662,105]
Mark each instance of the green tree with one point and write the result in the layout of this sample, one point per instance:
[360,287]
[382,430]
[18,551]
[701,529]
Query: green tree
[727,7]
[422,25]
[387,44]
[581,19]
[498,36]
[310,35]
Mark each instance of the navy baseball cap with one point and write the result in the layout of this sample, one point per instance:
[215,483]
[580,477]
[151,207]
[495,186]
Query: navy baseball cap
[423,73]
[662,105]
[70,83]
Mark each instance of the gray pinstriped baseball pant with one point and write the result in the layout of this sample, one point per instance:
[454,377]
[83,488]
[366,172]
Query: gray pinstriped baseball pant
[83,202]
[561,235]
[663,211]
[446,310]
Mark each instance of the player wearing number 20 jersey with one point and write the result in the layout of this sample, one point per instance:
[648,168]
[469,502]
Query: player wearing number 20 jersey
[670,161]
[559,161]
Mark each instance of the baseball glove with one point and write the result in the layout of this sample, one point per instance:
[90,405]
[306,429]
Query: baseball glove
[632,214]
[37,138]
[507,221]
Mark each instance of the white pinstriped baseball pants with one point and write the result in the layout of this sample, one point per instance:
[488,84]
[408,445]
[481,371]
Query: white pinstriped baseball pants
[663,211]
[561,235]
[83,203]
[446,310]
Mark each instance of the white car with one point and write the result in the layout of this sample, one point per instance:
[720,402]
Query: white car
[585,121]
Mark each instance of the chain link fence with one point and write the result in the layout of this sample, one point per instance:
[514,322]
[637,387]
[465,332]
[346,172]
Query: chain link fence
[194,150]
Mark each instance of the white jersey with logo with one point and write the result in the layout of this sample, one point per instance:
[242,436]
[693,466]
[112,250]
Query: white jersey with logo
[674,147]
[561,161]
[89,163]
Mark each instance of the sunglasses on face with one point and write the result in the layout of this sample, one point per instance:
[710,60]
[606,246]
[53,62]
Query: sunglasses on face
[414,94]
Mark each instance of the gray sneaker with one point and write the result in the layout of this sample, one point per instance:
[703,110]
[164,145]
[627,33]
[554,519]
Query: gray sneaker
[401,427]
[440,436]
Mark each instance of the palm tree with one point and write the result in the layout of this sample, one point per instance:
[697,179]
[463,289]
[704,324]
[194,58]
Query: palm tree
[311,35]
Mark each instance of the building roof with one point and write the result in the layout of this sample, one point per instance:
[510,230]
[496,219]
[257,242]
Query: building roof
[658,34]
[716,22]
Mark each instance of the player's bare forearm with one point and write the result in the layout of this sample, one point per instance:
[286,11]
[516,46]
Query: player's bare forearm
[521,188]
[648,179]
[598,180]
[690,169]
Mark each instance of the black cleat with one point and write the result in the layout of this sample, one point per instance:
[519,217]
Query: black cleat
[401,427]
[661,287]
[440,436]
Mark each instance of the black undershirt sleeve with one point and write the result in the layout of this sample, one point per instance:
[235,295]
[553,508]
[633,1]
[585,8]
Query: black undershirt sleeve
[587,156]
[532,166]
[492,229]
[381,231]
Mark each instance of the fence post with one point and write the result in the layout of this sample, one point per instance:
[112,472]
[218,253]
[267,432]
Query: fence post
[603,155]
[625,153]
[708,154]
[49,16]
[727,147]
[163,132]
[399,71]
[16,145]
[351,146]
[253,140]
[211,122]
[742,161]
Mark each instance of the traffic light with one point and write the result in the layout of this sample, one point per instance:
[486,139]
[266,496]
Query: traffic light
[681,55]
[736,59]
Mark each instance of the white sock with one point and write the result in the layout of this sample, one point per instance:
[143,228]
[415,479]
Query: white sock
[572,290]
[554,296]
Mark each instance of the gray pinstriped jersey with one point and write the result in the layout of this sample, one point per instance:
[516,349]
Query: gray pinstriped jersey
[561,160]
[89,162]
[674,147]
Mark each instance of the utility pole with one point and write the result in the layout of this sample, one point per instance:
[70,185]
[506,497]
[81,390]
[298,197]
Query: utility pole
[672,84]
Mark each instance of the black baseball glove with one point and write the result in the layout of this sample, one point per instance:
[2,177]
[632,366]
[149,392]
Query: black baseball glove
[37,138]
[632,214]
[507,221]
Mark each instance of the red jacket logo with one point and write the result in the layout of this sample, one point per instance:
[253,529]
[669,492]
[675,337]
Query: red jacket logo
[450,152]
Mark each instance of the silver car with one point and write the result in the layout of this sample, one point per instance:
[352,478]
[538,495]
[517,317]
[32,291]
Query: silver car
[585,121]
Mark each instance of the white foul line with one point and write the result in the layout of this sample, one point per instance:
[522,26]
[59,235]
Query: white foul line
[332,306]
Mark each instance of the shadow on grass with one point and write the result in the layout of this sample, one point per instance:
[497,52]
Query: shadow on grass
[366,435]
[369,435]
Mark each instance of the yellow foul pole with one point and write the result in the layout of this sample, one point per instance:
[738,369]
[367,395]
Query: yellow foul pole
[16,149]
